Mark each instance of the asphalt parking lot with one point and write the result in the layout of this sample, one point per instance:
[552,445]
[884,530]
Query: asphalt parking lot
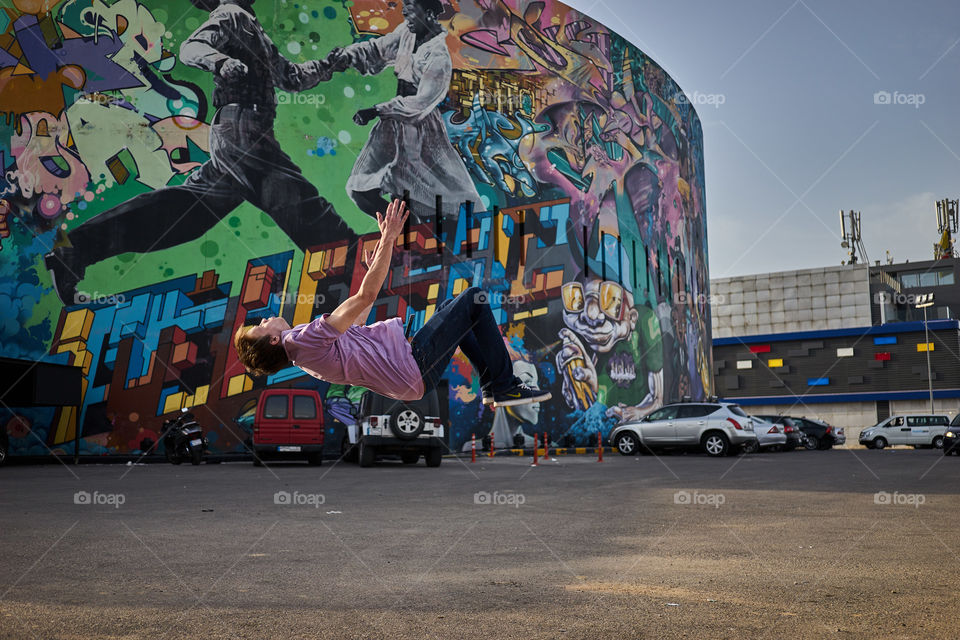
[850,544]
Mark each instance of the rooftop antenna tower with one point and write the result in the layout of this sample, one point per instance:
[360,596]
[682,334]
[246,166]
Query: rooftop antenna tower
[852,241]
[947,228]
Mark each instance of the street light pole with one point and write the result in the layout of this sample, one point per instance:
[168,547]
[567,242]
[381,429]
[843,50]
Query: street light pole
[926,334]
[924,301]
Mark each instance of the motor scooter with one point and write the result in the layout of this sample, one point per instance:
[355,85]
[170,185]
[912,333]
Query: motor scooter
[183,439]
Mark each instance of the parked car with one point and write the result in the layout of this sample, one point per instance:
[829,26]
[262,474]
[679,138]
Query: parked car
[392,427]
[288,423]
[769,435]
[819,434]
[917,430]
[716,428]
[951,437]
[795,436]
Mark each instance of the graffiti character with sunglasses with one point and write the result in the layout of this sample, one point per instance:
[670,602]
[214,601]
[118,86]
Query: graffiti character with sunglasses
[611,351]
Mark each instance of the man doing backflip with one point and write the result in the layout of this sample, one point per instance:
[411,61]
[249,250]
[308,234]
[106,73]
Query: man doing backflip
[246,162]
[337,348]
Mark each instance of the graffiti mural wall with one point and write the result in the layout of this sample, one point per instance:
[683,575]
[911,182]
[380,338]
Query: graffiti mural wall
[172,171]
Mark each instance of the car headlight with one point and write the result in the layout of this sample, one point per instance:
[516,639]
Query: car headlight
[950,434]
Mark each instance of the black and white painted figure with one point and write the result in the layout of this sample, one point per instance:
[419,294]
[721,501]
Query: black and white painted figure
[246,161]
[408,148]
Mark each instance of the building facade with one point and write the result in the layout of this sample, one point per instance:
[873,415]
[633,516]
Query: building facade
[571,186]
[845,344]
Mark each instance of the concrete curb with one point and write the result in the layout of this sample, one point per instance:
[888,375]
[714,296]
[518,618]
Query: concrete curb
[559,451]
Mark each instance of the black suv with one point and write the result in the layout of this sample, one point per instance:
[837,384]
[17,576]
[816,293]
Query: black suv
[385,426]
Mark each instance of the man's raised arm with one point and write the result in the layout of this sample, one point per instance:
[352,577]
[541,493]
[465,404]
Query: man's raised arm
[350,310]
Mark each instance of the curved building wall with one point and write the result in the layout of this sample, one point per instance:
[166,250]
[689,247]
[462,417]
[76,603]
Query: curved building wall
[582,160]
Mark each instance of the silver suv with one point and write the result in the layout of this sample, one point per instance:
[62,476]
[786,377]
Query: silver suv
[717,428]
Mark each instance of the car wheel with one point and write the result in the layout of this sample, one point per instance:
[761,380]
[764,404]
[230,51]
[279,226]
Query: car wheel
[406,422]
[367,455]
[715,444]
[812,443]
[879,443]
[348,452]
[628,444]
[434,457]
[938,442]
[751,447]
[315,459]
[410,457]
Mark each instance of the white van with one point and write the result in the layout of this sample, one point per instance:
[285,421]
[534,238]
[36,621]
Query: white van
[916,429]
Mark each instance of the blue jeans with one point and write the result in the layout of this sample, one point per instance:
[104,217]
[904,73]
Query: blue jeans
[465,322]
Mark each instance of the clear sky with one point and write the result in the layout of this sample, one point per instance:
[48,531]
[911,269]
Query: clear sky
[799,134]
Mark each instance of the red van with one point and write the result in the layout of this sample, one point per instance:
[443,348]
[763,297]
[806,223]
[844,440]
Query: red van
[288,424]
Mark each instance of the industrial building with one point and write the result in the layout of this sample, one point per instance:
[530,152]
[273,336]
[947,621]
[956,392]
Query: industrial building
[848,344]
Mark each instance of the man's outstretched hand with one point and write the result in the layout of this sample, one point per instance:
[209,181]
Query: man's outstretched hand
[391,224]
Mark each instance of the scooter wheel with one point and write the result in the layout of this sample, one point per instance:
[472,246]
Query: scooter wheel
[195,456]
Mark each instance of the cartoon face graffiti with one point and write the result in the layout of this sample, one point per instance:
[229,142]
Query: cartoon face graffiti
[600,312]
[611,351]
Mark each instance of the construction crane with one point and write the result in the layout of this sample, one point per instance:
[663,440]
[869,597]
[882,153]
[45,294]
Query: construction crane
[947,228]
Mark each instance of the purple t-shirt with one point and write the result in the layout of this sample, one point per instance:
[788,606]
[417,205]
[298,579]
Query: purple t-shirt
[375,356]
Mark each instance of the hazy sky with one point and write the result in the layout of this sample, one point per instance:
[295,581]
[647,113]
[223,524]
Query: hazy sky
[798,135]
